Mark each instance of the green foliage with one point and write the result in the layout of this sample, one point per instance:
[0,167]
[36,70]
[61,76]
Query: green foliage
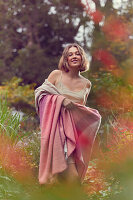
[9,123]
[111,94]
[19,95]
[10,188]
[31,145]
[32,37]
[37,29]
[32,65]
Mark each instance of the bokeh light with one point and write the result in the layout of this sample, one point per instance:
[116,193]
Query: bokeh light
[115,29]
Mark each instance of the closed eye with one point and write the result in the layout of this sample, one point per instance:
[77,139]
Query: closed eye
[76,53]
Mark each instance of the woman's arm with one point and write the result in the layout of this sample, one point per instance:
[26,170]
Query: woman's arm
[88,85]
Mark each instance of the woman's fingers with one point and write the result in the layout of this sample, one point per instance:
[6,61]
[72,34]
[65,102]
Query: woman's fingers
[68,104]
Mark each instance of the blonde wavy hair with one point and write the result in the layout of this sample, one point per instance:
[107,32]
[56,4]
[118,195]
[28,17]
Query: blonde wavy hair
[63,62]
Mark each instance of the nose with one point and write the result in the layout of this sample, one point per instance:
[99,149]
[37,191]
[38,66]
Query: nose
[74,55]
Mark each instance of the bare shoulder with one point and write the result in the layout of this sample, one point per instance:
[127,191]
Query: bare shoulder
[88,83]
[55,72]
[53,76]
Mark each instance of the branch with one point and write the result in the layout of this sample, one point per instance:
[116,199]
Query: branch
[97,3]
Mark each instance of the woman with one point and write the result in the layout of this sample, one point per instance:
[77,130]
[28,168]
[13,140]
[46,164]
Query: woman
[68,127]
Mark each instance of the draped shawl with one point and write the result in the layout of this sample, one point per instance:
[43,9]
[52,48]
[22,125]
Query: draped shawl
[77,127]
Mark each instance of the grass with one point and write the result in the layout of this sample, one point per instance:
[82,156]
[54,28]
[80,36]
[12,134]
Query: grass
[19,161]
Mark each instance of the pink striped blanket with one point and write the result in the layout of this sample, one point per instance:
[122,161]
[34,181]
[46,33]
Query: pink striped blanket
[78,127]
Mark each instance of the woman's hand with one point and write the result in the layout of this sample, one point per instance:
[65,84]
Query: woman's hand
[68,104]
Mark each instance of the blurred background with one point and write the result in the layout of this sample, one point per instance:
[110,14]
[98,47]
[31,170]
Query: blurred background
[33,34]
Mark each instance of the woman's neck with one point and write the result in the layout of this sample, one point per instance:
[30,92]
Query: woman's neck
[73,73]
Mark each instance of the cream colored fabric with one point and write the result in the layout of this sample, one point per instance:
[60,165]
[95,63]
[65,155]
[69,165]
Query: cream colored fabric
[76,96]
[45,88]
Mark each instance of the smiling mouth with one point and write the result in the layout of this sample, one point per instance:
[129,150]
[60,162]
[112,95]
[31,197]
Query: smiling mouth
[74,61]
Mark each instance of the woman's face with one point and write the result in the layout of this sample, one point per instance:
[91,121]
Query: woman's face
[74,58]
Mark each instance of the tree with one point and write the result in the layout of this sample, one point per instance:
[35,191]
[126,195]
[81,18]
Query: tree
[33,33]
[111,64]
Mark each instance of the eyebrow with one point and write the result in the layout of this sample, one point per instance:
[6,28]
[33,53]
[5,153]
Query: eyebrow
[74,51]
